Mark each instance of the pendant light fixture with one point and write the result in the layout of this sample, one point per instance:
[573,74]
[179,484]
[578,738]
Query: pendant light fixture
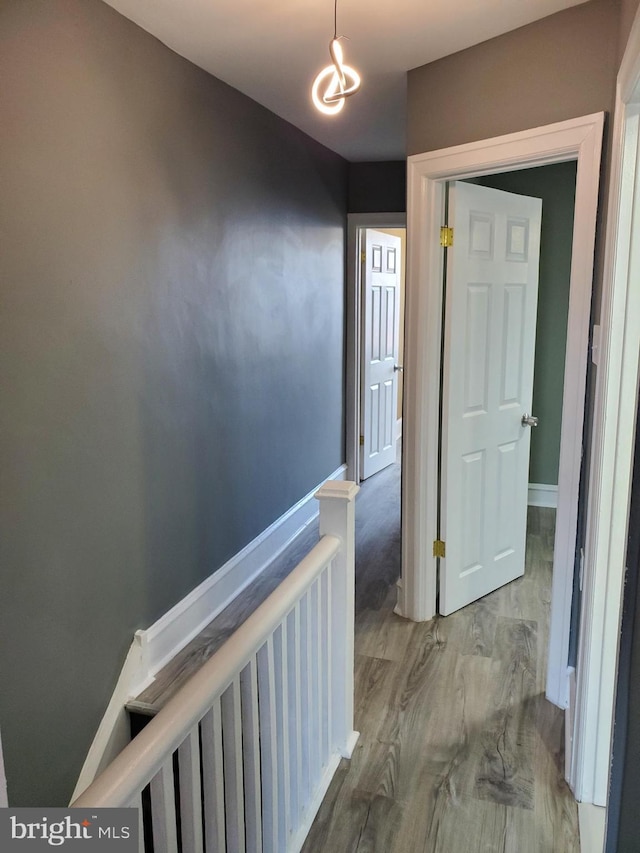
[337,81]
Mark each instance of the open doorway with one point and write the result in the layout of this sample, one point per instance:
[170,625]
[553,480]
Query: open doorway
[378,508]
[579,140]
[555,185]
[504,350]
[492,247]
[382,279]
[491,332]
[393,224]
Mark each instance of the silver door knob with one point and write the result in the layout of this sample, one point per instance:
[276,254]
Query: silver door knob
[529,420]
[398,367]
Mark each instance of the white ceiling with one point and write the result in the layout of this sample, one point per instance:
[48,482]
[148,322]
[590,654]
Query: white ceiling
[272,50]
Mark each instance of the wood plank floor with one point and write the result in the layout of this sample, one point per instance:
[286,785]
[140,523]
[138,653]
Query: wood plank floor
[459,750]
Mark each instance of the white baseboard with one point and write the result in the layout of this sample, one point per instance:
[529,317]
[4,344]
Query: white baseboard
[350,745]
[541,494]
[592,821]
[155,646]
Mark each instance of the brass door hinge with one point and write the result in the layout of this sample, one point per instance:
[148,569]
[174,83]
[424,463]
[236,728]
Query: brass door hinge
[362,440]
[363,256]
[446,237]
[438,548]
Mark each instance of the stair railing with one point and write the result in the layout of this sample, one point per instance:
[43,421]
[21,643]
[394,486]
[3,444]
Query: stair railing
[241,757]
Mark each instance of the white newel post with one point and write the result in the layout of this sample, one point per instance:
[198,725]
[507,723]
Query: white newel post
[337,518]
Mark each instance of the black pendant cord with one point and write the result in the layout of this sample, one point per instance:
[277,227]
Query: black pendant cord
[335,19]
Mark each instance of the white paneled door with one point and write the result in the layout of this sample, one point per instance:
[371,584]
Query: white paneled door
[380,331]
[490,329]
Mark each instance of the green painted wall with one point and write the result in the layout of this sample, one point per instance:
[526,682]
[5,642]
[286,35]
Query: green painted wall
[555,185]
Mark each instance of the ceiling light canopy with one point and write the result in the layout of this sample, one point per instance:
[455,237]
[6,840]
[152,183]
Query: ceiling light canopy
[335,83]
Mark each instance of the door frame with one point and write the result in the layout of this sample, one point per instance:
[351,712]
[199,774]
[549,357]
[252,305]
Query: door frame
[356,223]
[612,453]
[577,139]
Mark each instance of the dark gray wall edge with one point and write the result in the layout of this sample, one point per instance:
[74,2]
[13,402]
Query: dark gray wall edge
[378,187]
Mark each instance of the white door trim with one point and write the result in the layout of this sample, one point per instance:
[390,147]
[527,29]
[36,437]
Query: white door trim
[355,223]
[577,139]
[612,448]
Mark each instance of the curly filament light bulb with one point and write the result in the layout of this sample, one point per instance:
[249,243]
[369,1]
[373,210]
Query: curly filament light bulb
[340,82]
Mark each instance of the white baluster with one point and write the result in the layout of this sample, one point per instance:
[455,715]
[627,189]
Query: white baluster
[305,697]
[319,675]
[326,646]
[268,747]
[251,742]
[233,771]
[282,732]
[213,780]
[190,793]
[295,737]
[315,717]
[163,810]
[136,803]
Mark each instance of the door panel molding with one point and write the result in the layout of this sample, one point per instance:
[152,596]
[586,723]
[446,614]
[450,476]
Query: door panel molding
[577,139]
[488,365]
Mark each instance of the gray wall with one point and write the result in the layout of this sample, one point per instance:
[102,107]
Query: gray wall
[555,185]
[628,9]
[378,187]
[172,289]
[554,69]
[560,67]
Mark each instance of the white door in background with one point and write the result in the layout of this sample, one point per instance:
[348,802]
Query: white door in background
[380,332]
[489,348]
